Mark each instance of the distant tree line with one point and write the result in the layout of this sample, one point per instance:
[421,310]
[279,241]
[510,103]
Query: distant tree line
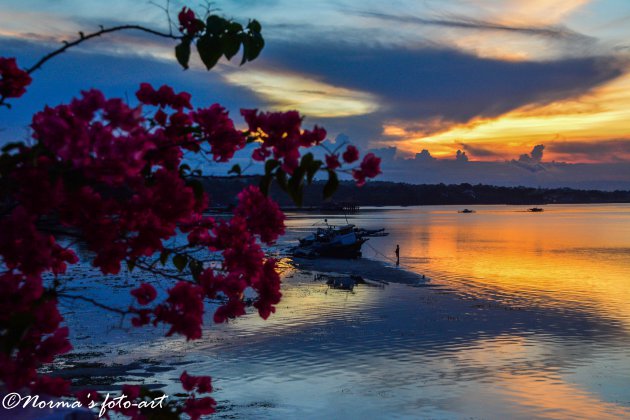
[223,190]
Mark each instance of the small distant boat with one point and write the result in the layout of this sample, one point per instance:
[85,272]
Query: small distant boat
[336,242]
[535,210]
[466,211]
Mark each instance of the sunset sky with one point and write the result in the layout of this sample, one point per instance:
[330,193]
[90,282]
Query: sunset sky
[490,78]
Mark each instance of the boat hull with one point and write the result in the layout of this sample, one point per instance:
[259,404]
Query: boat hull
[343,251]
[336,242]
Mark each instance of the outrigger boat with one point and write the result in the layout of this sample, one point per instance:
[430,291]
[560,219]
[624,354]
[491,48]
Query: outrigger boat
[336,242]
[535,210]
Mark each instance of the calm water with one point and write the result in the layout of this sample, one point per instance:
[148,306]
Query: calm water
[530,318]
[566,258]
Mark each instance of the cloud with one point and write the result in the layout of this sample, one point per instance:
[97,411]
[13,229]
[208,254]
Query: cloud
[532,161]
[425,169]
[286,91]
[424,156]
[461,156]
[537,153]
[535,156]
[601,150]
[426,85]
[548,31]
[479,151]
[386,153]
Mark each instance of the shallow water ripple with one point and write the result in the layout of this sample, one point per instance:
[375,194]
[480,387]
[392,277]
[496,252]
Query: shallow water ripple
[528,318]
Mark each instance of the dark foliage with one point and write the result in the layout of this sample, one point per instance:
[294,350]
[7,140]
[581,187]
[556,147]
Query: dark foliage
[223,194]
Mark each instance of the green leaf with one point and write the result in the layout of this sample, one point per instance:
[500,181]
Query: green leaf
[246,47]
[312,170]
[236,169]
[296,186]
[253,44]
[270,165]
[310,166]
[231,43]
[265,183]
[184,169]
[195,268]
[331,185]
[281,179]
[197,188]
[10,146]
[180,261]
[216,25]
[209,48]
[306,160]
[164,257]
[182,52]
[257,43]
[234,27]
[254,26]
[298,194]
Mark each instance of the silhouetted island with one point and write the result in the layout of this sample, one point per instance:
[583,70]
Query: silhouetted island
[223,191]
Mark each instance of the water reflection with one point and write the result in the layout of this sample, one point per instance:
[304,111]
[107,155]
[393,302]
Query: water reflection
[529,320]
[569,257]
[400,352]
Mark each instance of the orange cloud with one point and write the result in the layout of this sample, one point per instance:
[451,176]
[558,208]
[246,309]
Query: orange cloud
[595,117]
[287,91]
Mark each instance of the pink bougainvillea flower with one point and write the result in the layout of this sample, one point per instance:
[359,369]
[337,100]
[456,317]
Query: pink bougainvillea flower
[351,154]
[13,80]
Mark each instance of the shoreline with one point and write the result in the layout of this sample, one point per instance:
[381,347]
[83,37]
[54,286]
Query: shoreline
[376,271]
[384,207]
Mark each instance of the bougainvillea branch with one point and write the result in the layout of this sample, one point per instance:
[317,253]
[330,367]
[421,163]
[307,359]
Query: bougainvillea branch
[113,176]
[215,38]
[86,37]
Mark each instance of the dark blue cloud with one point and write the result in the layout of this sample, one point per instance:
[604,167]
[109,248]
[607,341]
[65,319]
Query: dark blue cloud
[615,149]
[479,151]
[547,31]
[425,170]
[531,162]
[432,82]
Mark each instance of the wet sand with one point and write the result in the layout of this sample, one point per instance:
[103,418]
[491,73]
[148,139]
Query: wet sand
[368,269]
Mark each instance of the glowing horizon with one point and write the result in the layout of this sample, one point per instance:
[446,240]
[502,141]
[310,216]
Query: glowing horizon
[598,116]
[579,114]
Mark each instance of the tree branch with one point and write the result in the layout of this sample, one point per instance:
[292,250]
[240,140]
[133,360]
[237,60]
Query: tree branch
[103,31]
[94,302]
[145,267]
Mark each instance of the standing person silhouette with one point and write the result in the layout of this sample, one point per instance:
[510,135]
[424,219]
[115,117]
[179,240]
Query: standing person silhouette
[397,254]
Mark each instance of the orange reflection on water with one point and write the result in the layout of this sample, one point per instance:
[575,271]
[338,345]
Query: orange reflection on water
[574,257]
[522,380]
[559,400]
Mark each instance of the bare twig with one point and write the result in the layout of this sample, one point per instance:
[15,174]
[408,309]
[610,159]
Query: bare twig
[207,6]
[149,268]
[83,37]
[166,9]
[94,302]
